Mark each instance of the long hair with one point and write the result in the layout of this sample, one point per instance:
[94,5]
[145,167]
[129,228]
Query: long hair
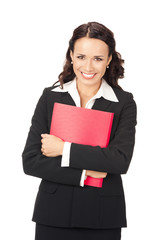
[97,31]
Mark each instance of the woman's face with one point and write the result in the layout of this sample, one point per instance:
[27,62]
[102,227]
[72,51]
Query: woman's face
[90,59]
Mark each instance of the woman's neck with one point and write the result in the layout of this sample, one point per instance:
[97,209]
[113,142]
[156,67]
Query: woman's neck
[87,91]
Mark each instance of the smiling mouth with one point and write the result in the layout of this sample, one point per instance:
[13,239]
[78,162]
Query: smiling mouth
[88,76]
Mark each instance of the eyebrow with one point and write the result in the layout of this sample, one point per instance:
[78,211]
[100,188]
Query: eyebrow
[94,56]
[99,56]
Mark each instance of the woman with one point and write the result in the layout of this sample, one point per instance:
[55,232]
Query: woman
[65,208]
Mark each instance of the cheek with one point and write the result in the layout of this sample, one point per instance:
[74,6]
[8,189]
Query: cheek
[76,66]
[102,69]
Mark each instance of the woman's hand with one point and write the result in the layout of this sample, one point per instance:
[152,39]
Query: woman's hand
[96,174]
[52,146]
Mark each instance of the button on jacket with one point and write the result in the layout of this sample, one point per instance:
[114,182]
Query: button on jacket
[61,201]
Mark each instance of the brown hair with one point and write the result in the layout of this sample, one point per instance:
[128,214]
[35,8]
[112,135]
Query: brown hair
[97,31]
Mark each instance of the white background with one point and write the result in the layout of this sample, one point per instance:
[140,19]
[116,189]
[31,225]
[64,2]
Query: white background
[33,43]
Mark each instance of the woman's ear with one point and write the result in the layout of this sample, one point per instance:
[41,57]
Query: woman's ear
[109,60]
[71,55]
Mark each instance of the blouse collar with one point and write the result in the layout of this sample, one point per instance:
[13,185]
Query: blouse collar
[104,91]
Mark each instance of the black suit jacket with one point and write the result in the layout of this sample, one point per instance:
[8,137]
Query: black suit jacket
[61,201]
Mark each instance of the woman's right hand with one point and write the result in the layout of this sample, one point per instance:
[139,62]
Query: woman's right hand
[95,174]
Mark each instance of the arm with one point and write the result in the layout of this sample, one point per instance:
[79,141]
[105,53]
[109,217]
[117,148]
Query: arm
[114,159]
[65,163]
[34,162]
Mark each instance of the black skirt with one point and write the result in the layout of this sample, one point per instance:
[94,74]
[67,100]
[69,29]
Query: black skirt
[56,233]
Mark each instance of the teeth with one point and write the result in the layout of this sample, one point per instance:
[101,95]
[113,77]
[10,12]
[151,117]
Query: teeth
[88,75]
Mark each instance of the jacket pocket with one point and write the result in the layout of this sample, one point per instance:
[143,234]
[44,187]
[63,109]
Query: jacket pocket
[49,187]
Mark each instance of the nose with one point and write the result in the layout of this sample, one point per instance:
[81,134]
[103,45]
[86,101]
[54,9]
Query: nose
[88,65]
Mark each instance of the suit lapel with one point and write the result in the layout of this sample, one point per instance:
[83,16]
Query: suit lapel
[102,104]
[67,99]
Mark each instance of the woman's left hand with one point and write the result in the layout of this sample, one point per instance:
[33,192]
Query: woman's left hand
[52,146]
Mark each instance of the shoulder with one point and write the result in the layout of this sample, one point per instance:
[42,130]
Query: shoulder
[58,89]
[122,95]
[126,101]
[49,91]
[51,88]
[52,94]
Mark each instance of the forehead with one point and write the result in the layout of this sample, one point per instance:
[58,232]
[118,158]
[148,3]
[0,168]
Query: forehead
[91,46]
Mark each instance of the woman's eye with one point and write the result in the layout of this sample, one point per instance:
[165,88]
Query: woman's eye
[98,59]
[80,57]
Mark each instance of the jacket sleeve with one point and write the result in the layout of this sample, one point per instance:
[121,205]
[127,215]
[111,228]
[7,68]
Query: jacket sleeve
[114,159]
[34,162]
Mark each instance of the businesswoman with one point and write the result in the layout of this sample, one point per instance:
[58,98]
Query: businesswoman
[65,208]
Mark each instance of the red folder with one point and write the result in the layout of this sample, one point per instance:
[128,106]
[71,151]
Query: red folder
[83,126]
